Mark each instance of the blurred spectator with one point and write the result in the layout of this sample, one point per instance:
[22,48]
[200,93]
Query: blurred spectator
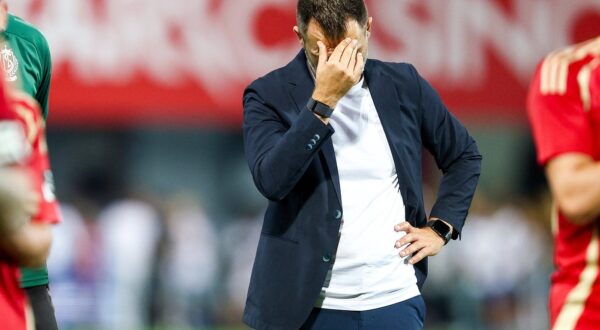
[129,232]
[189,266]
[74,265]
[487,277]
[240,239]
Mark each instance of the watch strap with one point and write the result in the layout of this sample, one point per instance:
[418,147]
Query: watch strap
[319,108]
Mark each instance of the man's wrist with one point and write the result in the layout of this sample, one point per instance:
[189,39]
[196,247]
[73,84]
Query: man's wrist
[442,228]
[319,108]
[444,221]
[327,100]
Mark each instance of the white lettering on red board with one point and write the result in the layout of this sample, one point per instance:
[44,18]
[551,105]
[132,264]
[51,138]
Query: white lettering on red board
[215,42]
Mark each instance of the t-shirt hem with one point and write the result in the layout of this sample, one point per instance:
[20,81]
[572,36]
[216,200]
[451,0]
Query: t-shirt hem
[356,305]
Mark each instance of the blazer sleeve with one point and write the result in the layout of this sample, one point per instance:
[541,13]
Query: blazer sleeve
[455,153]
[279,153]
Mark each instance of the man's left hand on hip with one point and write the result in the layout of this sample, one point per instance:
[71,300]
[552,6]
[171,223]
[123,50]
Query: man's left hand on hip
[420,242]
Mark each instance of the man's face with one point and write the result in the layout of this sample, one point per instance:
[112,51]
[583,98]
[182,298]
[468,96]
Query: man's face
[315,33]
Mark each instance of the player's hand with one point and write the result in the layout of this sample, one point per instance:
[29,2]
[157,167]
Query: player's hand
[338,73]
[14,146]
[422,242]
[18,200]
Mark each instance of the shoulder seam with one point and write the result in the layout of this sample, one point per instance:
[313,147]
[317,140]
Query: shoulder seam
[554,68]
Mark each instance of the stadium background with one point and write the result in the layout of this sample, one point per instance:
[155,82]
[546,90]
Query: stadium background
[161,216]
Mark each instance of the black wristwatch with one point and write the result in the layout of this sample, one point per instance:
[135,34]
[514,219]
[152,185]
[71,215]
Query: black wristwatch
[442,229]
[319,108]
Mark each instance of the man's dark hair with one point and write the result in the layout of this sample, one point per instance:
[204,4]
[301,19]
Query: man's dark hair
[331,15]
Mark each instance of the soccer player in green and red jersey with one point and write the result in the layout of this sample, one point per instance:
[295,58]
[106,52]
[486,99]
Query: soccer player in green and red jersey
[25,58]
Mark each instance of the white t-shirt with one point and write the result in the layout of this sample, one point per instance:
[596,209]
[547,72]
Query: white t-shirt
[367,271]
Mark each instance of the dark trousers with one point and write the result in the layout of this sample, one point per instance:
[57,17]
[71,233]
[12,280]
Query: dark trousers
[405,315]
[43,310]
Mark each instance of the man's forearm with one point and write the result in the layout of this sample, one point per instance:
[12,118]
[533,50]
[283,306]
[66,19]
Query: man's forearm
[28,245]
[21,242]
[278,155]
[17,201]
[457,189]
[575,184]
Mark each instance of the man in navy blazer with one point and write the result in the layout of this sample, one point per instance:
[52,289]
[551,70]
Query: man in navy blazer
[334,143]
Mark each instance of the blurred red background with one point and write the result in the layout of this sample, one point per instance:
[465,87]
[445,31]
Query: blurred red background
[187,62]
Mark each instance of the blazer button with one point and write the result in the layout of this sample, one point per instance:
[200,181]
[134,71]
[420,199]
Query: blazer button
[317,137]
[309,146]
[338,214]
[327,258]
[313,141]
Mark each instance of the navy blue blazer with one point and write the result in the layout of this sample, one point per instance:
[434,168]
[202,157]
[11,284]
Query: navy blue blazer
[292,160]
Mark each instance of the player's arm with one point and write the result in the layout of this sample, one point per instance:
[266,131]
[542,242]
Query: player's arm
[574,180]
[565,140]
[21,242]
[28,246]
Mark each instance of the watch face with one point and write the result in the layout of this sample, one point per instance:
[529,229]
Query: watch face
[319,108]
[442,229]
[441,226]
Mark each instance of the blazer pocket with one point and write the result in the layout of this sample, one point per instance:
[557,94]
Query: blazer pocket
[283,238]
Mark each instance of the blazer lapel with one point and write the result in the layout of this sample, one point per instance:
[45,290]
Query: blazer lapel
[301,84]
[300,88]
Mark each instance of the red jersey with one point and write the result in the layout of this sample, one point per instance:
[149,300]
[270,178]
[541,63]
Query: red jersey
[12,298]
[20,109]
[564,112]
[27,112]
